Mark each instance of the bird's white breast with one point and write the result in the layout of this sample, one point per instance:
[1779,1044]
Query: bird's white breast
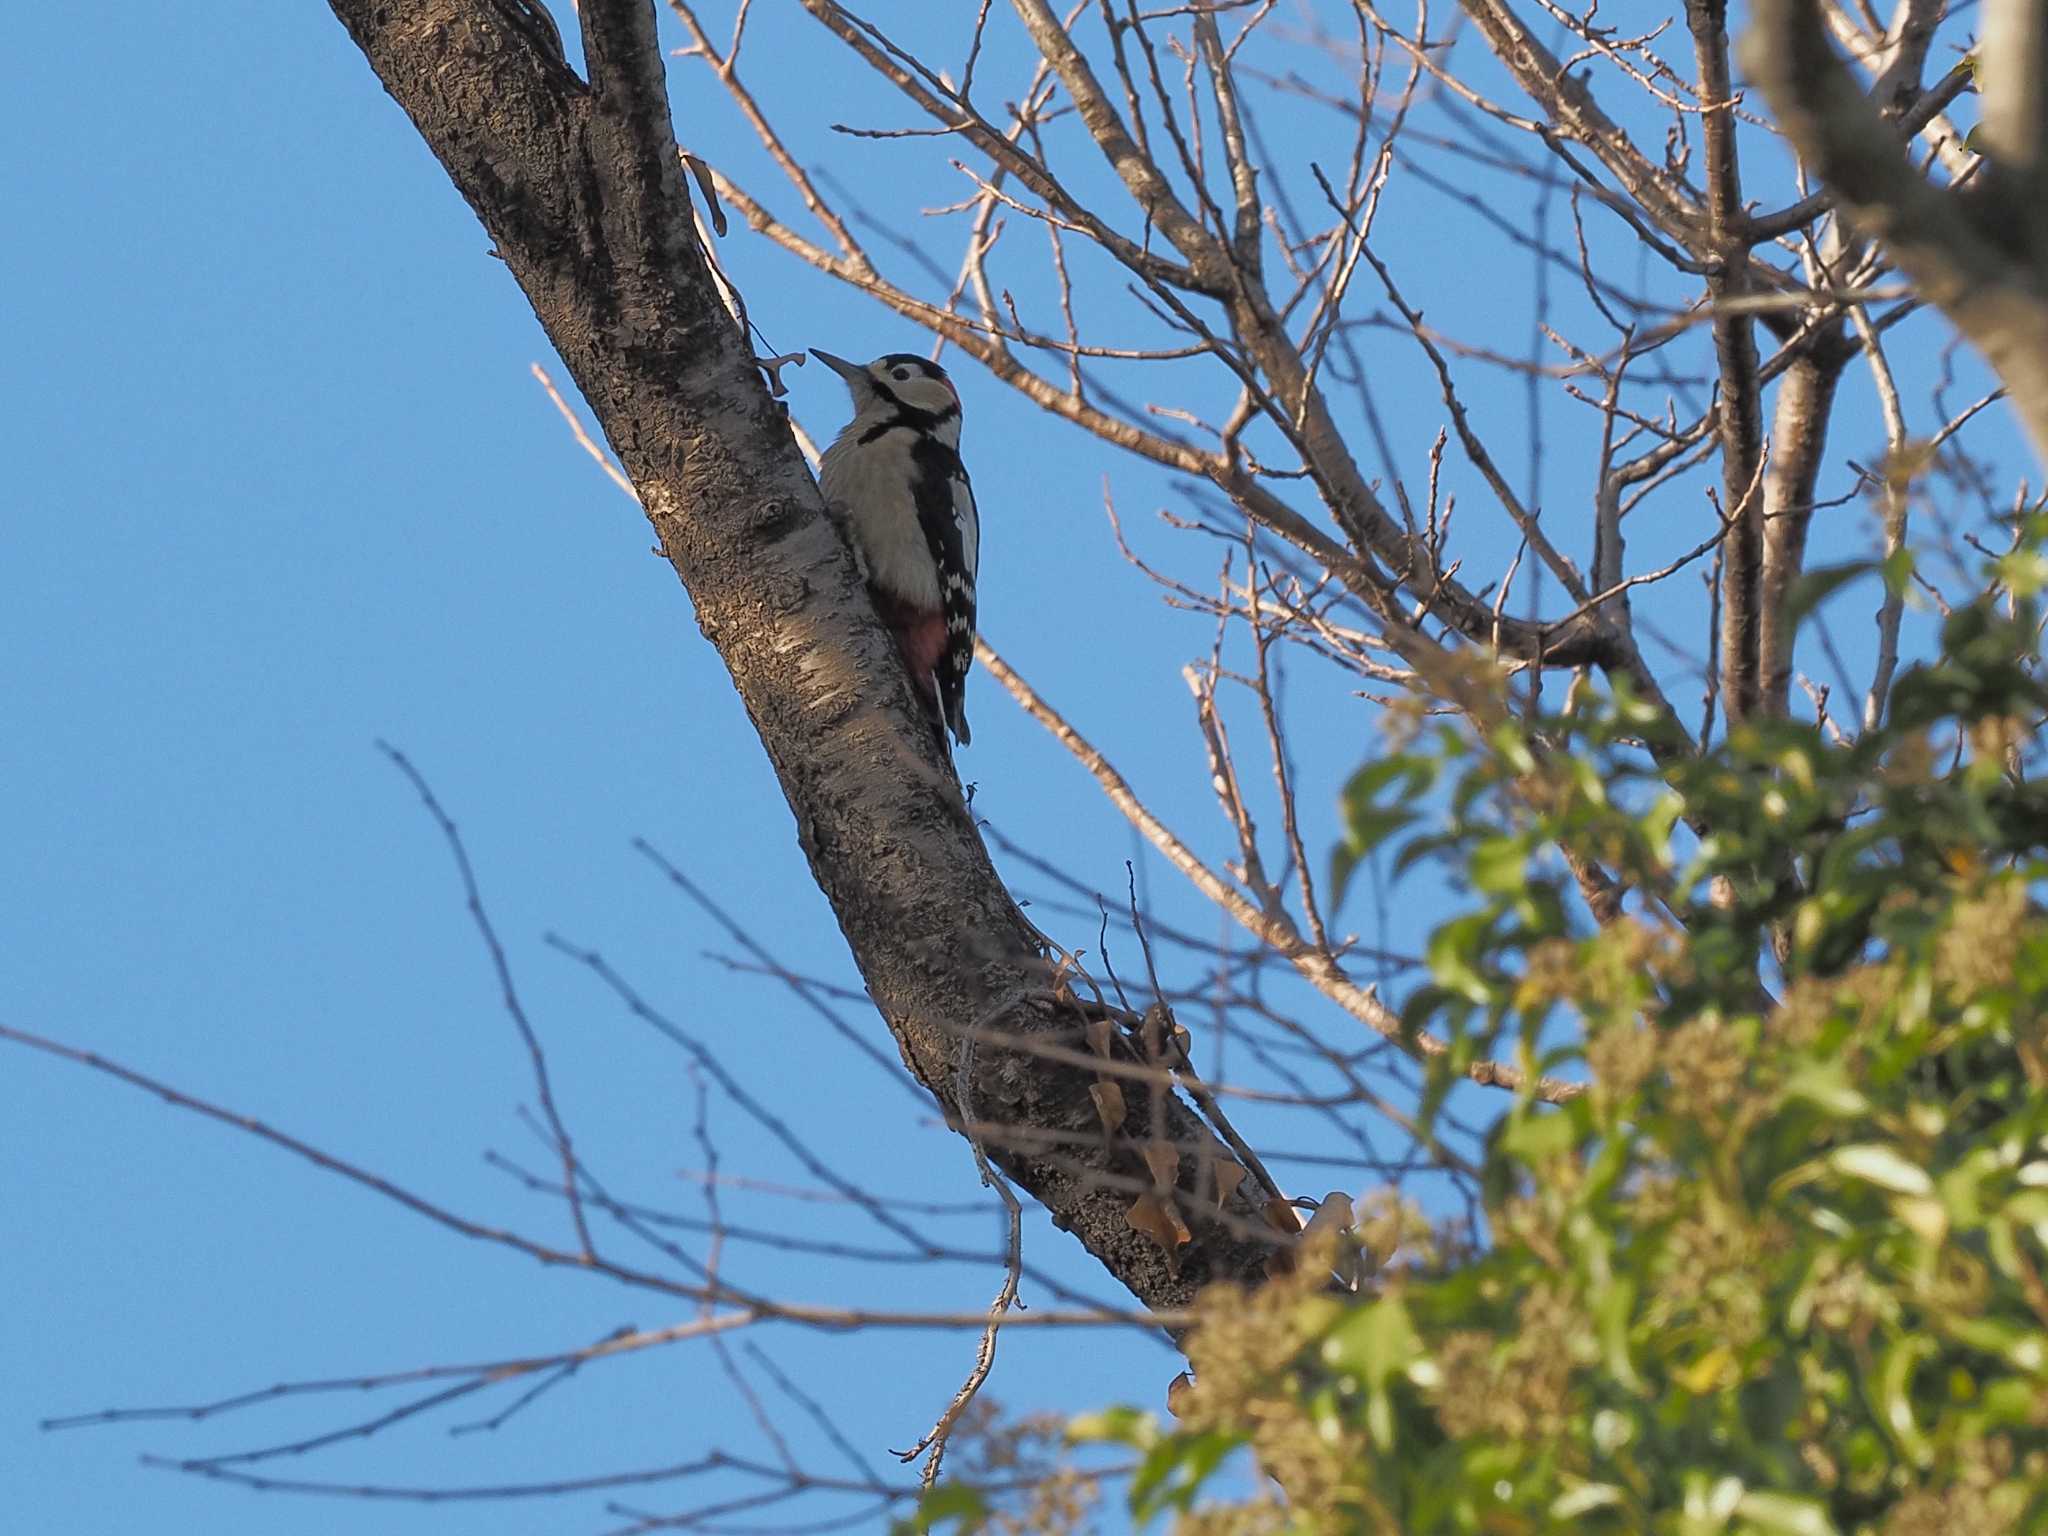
[869,483]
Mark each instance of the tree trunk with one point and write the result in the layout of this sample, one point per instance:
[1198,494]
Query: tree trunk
[581,187]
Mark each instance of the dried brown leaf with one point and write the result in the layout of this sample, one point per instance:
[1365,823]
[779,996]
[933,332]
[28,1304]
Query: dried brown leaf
[1229,1174]
[1280,1216]
[773,366]
[1155,1216]
[1109,1105]
[1156,1030]
[701,174]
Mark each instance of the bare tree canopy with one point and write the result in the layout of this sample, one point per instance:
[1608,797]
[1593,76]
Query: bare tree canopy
[1506,369]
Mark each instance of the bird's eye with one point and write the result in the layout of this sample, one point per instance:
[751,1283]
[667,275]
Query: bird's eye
[900,375]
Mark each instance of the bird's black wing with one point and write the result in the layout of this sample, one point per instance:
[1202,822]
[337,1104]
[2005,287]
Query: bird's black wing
[952,530]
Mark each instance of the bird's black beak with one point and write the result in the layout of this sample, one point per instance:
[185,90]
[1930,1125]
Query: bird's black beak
[853,373]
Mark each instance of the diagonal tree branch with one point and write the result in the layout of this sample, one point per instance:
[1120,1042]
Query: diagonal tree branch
[1969,256]
[1578,116]
[582,190]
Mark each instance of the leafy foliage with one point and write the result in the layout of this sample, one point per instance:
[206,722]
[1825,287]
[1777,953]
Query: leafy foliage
[1779,1267]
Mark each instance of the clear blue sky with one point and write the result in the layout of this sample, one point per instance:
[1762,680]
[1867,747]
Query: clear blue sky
[281,485]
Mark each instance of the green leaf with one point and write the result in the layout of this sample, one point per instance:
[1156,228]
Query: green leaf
[2024,570]
[1363,808]
[1369,826]
[1376,1342]
[1613,1305]
[1886,1167]
[948,1501]
[1784,1512]
[1536,1136]
[1898,569]
[1343,865]
[2025,1349]
[1174,1470]
[1584,1499]
[1894,1387]
[1451,954]
[1373,807]
[1118,1426]
[1500,865]
[1419,848]
[1825,1085]
[1817,584]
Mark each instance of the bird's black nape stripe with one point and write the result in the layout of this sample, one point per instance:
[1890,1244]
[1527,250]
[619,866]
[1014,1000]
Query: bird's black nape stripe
[906,415]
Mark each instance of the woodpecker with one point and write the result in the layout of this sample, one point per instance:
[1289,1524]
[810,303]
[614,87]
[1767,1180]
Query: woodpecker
[894,473]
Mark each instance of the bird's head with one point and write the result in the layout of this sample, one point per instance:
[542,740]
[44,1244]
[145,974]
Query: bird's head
[897,382]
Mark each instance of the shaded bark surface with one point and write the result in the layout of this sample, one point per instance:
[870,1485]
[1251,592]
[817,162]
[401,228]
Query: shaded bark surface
[1799,432]
[1980,252]
[581,188]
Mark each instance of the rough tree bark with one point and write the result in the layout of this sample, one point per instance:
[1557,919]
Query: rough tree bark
[580,186]
[1979,251]
[1799,429]
[1741,399]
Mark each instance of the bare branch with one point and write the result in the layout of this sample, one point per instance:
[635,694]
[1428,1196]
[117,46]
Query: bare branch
[1272,927]
[508,993]
[1997,303]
